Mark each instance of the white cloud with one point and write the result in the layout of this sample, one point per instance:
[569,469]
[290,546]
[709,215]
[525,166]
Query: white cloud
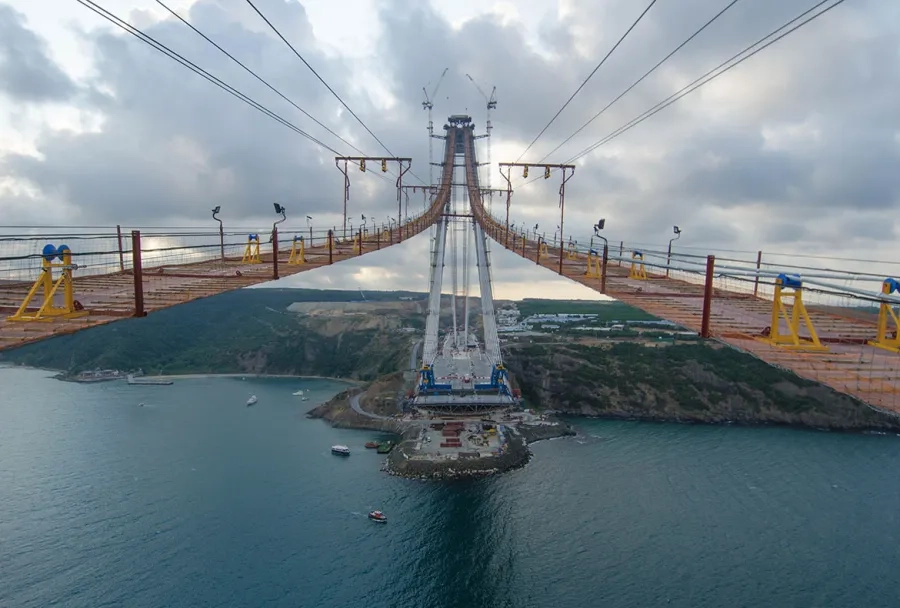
[794,151]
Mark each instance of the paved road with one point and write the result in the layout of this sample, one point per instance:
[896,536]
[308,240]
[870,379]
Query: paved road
[354,403]
[414,356]
[354,400]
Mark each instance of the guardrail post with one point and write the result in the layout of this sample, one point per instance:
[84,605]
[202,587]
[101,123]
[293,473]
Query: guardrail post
[603,268]
[138,271]
[377,240]
[121,252]
[621,251]
[756,279]
[360,241]
[707,295]
[275,253]
[330,245]
[537,253]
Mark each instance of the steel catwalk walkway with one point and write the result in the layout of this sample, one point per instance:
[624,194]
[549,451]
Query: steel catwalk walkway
[174,267]
[737,316]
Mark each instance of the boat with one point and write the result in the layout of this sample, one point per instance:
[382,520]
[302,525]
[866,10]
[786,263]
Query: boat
[340,450]
[378,516]
[252,400]
[385,447]
[298,393]
[302,394]
[371,444]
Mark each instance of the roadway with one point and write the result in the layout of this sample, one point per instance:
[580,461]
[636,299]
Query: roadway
[354,403]
[354,400]
[414,357]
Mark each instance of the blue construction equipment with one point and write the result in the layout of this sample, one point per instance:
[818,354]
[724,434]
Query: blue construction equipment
[427,383]
[499,381]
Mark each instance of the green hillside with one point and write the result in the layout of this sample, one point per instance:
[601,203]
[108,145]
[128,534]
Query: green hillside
[248,330]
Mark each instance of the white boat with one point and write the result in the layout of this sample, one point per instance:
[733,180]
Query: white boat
[340,450]
[251,400]
[378,516]
[302,394]
[298,393]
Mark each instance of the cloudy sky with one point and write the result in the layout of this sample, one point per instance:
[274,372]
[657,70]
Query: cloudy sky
[794,151]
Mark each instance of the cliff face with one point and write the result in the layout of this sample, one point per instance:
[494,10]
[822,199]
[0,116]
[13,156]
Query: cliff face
[687,383]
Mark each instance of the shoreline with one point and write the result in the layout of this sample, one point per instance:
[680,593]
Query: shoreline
[200,376]
[892,428]
[571,419]
[60,375]
[736,422]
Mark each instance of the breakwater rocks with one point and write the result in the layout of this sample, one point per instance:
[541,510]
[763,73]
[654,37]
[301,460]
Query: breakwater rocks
[406,461]
[546,429]
[409,459]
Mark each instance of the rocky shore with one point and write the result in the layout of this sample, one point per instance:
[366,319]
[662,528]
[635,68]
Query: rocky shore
[541,432]
[403,462]
[338,412]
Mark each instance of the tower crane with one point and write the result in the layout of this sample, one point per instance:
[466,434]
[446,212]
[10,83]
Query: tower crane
[491,104]
[428,105]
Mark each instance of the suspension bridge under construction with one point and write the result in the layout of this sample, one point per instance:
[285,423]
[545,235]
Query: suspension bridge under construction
[828,326]
[838,327]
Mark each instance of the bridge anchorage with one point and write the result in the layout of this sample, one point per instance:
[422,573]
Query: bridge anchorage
[461,375]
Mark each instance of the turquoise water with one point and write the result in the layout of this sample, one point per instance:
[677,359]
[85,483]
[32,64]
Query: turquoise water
[197,500]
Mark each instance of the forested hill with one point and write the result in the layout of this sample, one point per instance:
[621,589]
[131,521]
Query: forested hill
[363,336]
[349,333]
[705,382]
[248,330]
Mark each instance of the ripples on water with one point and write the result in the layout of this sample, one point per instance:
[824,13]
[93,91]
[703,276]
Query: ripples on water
[197,500]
